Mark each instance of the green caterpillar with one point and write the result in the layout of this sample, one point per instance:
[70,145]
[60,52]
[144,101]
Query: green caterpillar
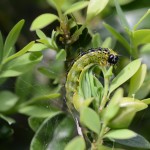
[100,56]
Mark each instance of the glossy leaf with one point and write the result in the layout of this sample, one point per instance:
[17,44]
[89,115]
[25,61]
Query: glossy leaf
[21,52]
[43,21]
[120,134]
[76,144]
[7,101]
[137,80]
[125,74]
[76,7]
[137,141]
[121,15]
[94,8]
[118,36]
[12,38]
[7,119]
[21,64]
[141,36]
[38,111]
[90,119]
[55,132]
[35,122]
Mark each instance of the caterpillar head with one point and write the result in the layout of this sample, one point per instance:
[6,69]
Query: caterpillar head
[113,59]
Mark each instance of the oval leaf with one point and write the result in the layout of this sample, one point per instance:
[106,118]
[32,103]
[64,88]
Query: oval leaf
[141,36]
[7,101]
[90,119]
[137,80]
[76,144]
[53,134]
[42,21]
[120,134]
[12,38]
[125,74]
[95,7]
[137,141]
[76,6]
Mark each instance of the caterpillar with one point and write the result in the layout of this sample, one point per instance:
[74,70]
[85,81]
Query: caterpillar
[100,56]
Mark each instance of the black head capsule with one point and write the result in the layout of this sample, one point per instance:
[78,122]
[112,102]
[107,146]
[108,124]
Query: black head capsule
[113,59]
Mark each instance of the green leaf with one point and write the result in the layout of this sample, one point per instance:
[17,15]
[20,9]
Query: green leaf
[39,111]
[141,36]
[146,101]
[41,34]
[128,108]
[24,85]
[1,46]
[113,106]
[137,141]
[121,15]
[43,21]
[21,52]
[37,47]
[76,144]
[76,7]
[145,49]
[61,55]
[96,40]
[55,132]
[51,96]
[35,122]
[118,36]
[57,3]
[143,17]
[107,42]
[143,91]
[94,8]
[7,119]
[12,38]
[136,105]
[7,101]
[90,119]
[21,64]
[137,80]
[120,134]
[125,74]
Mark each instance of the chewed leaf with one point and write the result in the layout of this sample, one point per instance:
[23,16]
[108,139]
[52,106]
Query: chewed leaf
[42,21]
[125,74]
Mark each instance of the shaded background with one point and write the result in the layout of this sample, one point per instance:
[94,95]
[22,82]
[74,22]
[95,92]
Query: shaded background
[11,11]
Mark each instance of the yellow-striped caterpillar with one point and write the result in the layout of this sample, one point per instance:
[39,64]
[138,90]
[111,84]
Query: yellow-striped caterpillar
[94,56]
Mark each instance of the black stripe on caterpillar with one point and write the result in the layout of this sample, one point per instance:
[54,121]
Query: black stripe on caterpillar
[94,56]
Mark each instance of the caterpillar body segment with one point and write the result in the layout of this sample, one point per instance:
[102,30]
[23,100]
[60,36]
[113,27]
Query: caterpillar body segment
[95,56]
